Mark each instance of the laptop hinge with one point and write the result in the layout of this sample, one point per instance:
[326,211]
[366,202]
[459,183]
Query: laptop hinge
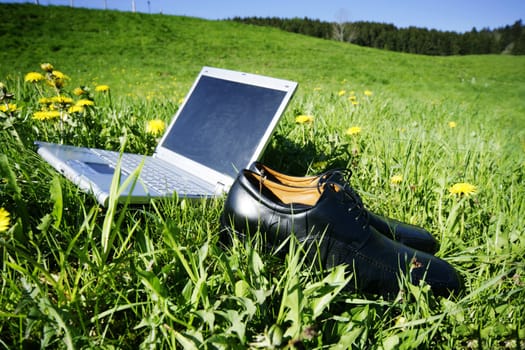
[220,187]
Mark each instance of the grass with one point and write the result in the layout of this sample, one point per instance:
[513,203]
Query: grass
[75,275]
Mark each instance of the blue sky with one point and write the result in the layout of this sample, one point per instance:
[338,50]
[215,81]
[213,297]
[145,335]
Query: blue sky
[454,15]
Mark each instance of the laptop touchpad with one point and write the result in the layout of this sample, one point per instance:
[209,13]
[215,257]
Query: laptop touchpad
[101,167]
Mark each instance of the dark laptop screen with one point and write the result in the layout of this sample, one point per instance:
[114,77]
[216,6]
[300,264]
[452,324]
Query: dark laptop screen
[222,123]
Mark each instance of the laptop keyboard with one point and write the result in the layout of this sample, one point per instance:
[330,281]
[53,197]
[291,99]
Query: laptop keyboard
[153,174]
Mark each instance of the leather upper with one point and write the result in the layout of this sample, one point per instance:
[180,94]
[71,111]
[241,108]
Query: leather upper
[339,227]
[410,235]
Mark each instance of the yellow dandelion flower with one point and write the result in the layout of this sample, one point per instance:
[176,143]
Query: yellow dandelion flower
[84,102]
[59,75]
[317,89]
[11,107]
[352,97]
[452,125]
[354,130]
[102,88]
[355,103]
[40,115]
[4,220]
[79,91]
[62,100]
[76,109]
[341,92]
[33,77]
[155,126]
[48,67]
[44,100]
[463,188]
[368,93]
[396,179]
[303,119]
[46,115]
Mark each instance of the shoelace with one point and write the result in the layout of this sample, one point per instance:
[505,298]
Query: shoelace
[342,174]
[338,179]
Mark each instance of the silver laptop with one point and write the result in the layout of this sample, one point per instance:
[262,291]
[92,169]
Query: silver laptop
[223,126]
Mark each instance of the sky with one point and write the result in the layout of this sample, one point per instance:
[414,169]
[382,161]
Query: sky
[444,15]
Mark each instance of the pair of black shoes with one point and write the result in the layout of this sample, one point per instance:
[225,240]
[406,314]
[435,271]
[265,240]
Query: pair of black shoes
[328,216]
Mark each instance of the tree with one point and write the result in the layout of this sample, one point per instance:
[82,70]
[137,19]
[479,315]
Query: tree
[508,40]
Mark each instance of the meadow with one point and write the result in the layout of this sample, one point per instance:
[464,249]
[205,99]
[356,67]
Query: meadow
[410,128]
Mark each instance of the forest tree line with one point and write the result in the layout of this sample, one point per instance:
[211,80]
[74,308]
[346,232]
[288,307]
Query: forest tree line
[505,40]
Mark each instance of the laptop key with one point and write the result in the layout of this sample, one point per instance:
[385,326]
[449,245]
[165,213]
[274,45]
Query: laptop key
[153,175]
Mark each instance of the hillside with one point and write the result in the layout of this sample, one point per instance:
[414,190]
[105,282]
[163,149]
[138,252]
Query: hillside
[149,56]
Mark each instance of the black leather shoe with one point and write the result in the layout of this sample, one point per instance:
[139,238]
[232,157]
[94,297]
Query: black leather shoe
[407,234]
[337,227]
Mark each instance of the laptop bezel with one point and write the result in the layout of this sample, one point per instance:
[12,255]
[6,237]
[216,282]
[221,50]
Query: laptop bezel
[215,178]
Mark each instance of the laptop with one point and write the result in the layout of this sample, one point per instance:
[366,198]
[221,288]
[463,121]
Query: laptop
[222,127]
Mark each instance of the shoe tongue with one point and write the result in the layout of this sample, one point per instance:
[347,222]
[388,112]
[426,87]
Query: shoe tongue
[332,177]
[345,194]
[339,184]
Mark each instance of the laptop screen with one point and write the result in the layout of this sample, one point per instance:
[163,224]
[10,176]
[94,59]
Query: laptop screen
[222,123]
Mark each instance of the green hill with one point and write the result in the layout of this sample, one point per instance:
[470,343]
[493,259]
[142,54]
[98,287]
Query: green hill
[139,52]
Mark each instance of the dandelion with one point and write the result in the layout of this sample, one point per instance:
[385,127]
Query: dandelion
[303,119]
[341,92]
[61,99]
[46,101]
[59,75]
[452,125]
[10,107]
[463,188]
[47,67]
[46,115]
[396,179]
[84,102]
[78,91]
[4,220]
[33,77]
[76,109]
[155,127]
[57,79]
[102,88]
[354,130]
[368,93]
[317,89]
